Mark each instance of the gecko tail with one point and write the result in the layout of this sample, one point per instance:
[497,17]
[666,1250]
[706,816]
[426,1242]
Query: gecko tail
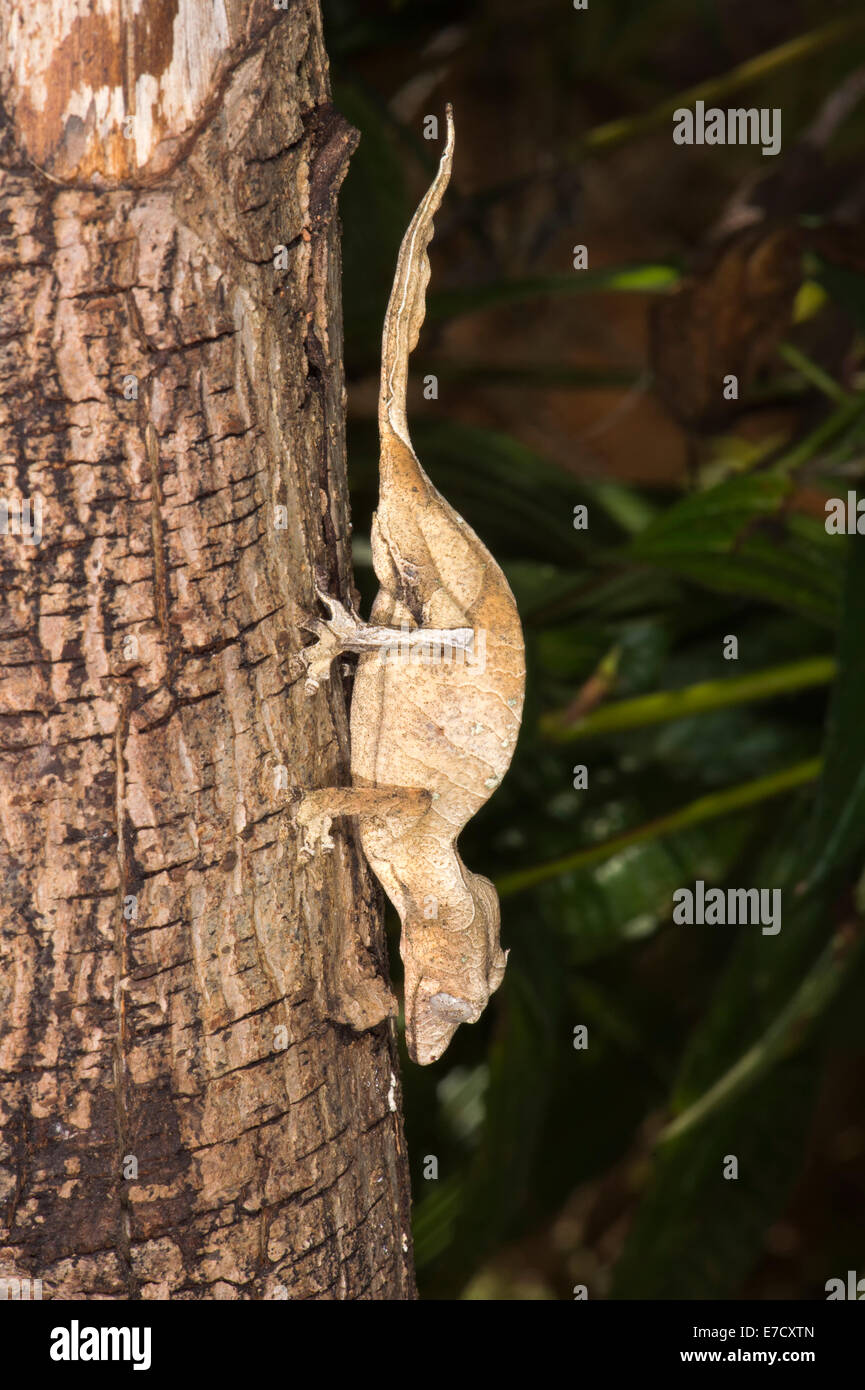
[407,304]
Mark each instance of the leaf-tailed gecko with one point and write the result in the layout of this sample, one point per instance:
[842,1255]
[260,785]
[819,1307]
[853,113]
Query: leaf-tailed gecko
[437,698]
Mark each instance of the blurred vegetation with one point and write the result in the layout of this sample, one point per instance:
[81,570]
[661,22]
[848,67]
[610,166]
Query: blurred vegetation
[559,388]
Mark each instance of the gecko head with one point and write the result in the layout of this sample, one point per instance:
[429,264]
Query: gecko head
[450,973]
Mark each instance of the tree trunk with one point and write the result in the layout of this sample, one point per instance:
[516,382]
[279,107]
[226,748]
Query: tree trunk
[199,1068]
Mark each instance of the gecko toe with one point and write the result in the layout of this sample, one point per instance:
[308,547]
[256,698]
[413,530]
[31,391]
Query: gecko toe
[314,825]
[325,598]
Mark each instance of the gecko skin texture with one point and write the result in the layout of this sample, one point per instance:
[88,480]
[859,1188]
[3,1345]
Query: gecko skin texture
[431,739]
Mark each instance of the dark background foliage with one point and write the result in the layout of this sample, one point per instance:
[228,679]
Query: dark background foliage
[604,1166]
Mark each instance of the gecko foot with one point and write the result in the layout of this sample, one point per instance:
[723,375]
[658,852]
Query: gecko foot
[315,824]
[335,634]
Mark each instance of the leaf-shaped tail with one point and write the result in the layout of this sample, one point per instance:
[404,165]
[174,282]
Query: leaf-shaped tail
[407,305]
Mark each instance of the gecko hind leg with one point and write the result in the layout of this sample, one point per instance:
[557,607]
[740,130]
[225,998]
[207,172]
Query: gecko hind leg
[318,809]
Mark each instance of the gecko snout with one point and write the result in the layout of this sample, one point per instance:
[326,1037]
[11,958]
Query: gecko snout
[450,972]
[435,1008]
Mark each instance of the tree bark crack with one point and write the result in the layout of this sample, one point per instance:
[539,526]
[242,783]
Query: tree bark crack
[121,954]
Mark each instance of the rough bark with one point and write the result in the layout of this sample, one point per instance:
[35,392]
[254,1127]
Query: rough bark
[199,1093]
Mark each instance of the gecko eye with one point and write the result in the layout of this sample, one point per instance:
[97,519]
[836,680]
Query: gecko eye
[453,1010]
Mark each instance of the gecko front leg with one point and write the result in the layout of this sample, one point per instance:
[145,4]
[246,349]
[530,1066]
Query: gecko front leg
[318,809]
[343,631]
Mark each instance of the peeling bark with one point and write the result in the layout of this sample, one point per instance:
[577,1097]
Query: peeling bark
[198,1060]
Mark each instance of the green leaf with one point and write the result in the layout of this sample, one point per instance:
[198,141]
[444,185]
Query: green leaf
[720,539]
[784,1035]
[846,287]
[761,975]
[666,705]
[721,803]
[713,520]
[434,1220]
[535,375]
[697,1234]
[628,897]
[649,278]
[521,506]
[485,1205]
[838,835]
[746,1088]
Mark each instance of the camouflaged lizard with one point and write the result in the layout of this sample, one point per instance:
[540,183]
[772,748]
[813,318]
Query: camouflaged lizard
[437,698]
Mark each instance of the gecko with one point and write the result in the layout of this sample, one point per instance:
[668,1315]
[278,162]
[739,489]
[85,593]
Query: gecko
[437,699]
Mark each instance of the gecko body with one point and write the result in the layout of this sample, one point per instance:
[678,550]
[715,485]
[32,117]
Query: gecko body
[437,698]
